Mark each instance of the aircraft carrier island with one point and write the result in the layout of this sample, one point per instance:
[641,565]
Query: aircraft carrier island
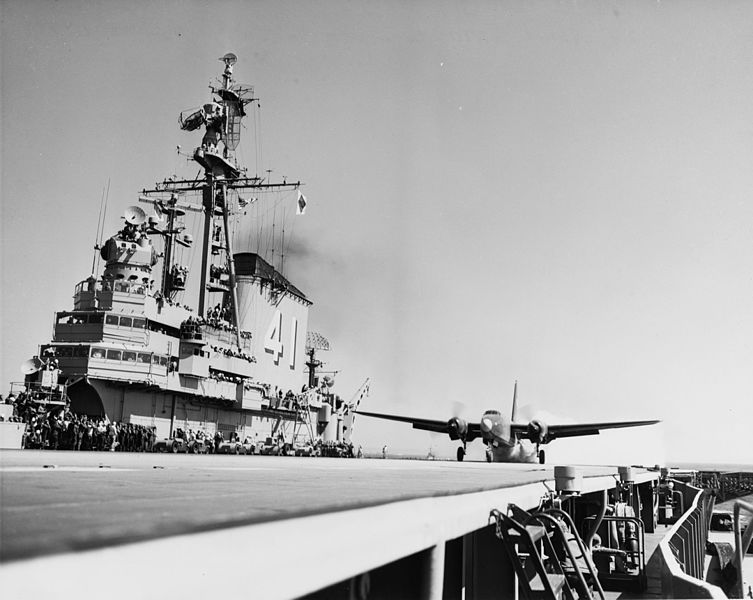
[163,359]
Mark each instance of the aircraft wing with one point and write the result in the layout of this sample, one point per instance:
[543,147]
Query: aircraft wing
[418,423]
[577,429]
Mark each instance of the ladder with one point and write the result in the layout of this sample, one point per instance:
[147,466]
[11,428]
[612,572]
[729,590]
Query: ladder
[547,554]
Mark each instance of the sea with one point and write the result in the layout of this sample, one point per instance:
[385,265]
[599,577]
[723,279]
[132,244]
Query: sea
[721,467]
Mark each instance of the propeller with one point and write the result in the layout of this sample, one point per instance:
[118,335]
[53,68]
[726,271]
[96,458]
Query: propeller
[458,408]
[457,428]
[538,431]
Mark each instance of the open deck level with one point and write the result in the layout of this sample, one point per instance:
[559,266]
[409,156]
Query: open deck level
[267,527]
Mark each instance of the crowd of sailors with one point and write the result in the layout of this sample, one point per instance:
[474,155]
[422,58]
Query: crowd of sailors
[55,427]
[58,428]
[219,319]
[233,353]
[220,376]
[216,272]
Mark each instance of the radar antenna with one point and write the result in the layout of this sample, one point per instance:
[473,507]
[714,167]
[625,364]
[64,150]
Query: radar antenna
[134,215]
[314,341]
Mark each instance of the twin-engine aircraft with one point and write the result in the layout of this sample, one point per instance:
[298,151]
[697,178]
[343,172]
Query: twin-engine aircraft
[504,439]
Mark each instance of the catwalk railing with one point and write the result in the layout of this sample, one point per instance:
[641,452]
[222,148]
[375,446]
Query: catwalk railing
[683,549]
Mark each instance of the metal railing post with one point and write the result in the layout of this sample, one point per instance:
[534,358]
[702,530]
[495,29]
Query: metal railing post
[434,573]
[741,544]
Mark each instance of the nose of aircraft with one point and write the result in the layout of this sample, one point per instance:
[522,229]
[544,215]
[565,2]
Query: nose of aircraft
[493,427]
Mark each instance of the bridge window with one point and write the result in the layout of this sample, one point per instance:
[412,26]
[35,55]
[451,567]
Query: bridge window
[145,358]
[67,318]
[163,361]
[139,323]
[126,321]
[155,359]
[114,354]
[111,319]
[129,356]
[98,353]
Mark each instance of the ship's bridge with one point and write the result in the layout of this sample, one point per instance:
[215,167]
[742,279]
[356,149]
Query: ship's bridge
[80,326]
[108,293]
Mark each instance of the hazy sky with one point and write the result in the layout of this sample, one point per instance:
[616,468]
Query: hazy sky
[553,192]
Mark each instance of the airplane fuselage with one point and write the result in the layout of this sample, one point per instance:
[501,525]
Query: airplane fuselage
[519,452]
[502,445]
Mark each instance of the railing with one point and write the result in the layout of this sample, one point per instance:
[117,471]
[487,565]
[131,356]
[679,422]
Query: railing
[742,543]
[116,285]
[683,549]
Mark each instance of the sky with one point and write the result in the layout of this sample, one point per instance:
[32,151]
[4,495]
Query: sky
[556,193]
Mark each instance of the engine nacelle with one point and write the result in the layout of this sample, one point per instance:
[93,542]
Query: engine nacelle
[457,428]
[538,432]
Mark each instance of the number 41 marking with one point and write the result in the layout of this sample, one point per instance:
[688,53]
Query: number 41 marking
[273,342]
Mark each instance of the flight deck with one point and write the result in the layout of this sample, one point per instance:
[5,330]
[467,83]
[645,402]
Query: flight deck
[249,517]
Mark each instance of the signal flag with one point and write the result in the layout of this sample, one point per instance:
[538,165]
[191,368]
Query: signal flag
[301,205]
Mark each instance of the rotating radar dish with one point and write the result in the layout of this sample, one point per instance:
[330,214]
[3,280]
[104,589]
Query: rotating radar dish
[135,215]
[229,59]
[28,367]
[316,341]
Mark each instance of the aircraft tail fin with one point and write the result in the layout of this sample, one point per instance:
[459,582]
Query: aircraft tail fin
[514,403]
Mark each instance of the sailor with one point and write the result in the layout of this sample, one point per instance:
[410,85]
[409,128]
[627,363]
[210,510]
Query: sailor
[79,434]
[384,451]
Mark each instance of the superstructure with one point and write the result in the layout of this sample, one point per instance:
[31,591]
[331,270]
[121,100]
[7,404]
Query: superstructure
[222,346]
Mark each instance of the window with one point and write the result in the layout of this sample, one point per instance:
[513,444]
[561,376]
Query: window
[139,323]
[163,361]
[155,359]
[111,319]
[98,353]
[145,358]
[126,321]
[114,354]
[129,356]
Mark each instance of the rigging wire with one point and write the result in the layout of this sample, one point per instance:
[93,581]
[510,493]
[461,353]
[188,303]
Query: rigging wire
[99,229]
[104,216]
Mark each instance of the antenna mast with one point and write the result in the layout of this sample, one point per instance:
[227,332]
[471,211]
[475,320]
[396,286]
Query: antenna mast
[221,119]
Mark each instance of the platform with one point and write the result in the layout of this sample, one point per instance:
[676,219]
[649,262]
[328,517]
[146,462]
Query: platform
[235,515]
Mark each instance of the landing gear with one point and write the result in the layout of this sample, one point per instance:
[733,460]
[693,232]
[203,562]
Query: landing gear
[542,457]
[461,453]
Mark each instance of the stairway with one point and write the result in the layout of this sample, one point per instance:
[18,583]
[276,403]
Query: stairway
[548,556]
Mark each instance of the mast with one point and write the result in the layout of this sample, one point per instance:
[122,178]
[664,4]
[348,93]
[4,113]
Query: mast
[222,121]
[208,203]
[165,288]
[231,271]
